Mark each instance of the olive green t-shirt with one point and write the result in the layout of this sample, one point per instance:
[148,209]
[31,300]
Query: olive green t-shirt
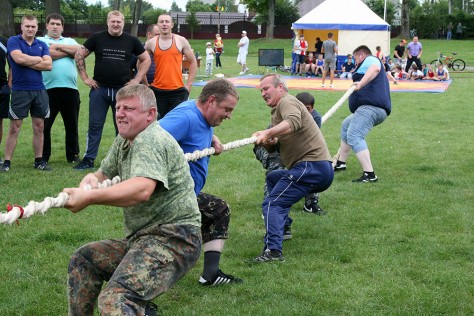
[306,142]
[154,154]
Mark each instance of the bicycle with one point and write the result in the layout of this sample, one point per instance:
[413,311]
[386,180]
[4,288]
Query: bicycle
[449,61]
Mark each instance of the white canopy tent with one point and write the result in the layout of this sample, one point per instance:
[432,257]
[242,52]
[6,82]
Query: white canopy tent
[351,21]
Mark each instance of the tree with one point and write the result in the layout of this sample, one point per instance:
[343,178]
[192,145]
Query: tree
[405,19]
[51,6]
[378,6]
[174,7]
[198,6]
[136,17]
[192,22]
[6,18]
[285,13]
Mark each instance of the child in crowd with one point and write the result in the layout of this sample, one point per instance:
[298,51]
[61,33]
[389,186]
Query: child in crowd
[209,58]
[319,65]
[399,73]
[428,73]
[310,65]
[442,73]
[415,73]
[348,68]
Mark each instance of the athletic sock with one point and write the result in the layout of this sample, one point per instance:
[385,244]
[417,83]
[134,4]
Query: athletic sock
[211,264]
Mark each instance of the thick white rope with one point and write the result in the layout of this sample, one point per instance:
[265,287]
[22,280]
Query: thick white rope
[338,104]
[197,154]
[41,207]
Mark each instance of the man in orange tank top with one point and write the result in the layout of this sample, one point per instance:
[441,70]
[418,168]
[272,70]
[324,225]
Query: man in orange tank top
[168,50]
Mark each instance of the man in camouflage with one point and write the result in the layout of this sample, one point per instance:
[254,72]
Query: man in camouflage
[161,216]
[192,125]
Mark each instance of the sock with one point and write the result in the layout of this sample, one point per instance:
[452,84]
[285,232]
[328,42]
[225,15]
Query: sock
[38,160]
[211,265]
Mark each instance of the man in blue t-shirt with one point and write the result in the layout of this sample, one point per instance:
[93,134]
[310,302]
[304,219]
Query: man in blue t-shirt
[192,125]
[370,105]
[28,57]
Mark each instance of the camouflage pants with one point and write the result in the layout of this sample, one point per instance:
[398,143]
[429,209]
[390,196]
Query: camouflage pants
[137,269]
[215,217]
[272,161]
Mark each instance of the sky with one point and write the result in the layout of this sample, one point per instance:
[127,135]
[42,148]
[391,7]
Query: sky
[161,4]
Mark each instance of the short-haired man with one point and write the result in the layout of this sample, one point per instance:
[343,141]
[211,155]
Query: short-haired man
[243,46]
[61,85]
[414,51]
[151,31]
[113,51]
[370,105]
[399,52]
[192,125]
[28,57]
[330,51]
[162,220]
[168,50]
[4,87]
[303,151]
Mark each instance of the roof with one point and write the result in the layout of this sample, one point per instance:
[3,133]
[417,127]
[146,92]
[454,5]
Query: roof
[342,15]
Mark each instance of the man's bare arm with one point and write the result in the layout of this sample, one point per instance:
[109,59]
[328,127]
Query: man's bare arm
[24,59]
[58,51]
[46,64]
[188,53]
[80,58]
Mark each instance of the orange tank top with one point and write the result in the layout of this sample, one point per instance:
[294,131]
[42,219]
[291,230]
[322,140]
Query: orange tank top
[168,73]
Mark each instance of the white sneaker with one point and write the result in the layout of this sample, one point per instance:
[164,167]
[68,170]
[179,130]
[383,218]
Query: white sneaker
[322,86]
[331,86]
[246,70]
[241,73]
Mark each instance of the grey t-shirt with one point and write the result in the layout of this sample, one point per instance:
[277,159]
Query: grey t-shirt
[329,47]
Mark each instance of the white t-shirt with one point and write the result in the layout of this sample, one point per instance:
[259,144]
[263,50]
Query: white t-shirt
[209,53]
[244,49]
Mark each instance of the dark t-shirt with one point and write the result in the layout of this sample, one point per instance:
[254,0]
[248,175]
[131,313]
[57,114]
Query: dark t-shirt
[400,50]
[113,56]
[3,60]
[318,46]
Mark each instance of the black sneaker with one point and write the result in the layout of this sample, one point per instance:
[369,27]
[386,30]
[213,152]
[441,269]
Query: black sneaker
[267,256]
[42,166]
[313,207]
[4,168]
[340,166]
[151,309]
[85,164]
[221,278]
[287,233]
[73,159]
[366,178]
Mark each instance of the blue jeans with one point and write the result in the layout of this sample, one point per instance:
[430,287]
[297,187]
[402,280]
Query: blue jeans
[99,102]
[357,125]
[286,187]
[294,59]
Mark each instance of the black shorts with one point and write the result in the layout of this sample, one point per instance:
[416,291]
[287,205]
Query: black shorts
[4,101]
[34,101]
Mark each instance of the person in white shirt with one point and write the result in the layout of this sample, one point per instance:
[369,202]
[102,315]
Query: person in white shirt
[243,46]
[209,58]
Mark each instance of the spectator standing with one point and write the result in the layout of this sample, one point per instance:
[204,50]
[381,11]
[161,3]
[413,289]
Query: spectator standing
[243,46]
[459,31]
[318,47]
[168,50]
[370,105]
[151,32]
[294,54]
[4,86]
[300,49]
[449,33]
[414,51]
[303,151]
[218,48]
[209,58]
[330,55]
[399,52]
[162,222]
[192,125]
[28,58]
[113,51]
[61,85]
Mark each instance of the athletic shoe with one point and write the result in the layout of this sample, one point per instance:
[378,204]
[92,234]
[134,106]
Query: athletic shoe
[42,166]
[151,309]
[85,164]
[241,73]
[366,178]
[313,207]
[331,86]
[267,256]
[221,278]
[395,82]
[287,233]
[73,159]
[340,166]
[322,86]
[4,168]
[246,70]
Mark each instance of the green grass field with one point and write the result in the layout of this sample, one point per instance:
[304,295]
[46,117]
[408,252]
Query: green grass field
[401,246]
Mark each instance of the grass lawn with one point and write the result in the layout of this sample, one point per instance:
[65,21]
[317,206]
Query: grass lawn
[401,246]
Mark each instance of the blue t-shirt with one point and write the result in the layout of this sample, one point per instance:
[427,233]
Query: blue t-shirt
[26,78]
[192,132]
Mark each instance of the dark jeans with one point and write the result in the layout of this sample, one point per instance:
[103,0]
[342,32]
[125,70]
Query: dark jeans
[218,59]
[67,102]
[169,99]
[99,102]
[412,60]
